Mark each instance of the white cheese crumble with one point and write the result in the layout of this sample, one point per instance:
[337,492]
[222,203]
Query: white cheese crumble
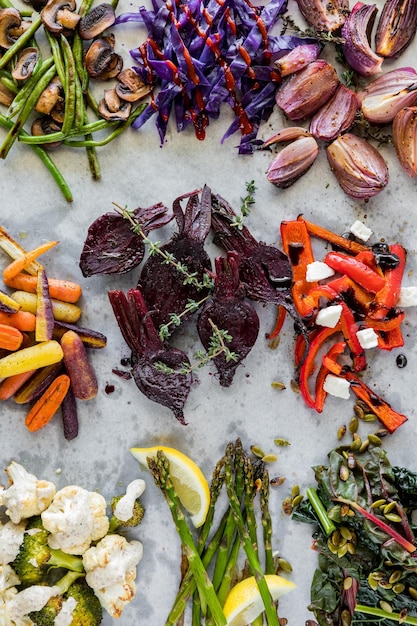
[318,270]
[360,230]
[368,338]
[329,316]
[337,386]
[408,297]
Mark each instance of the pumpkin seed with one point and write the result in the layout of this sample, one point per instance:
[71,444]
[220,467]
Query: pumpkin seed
[395,576]
[269,458]
[347,583]
[257,451]
[385,606]
[346,533]
[344,473]
[335,537]
[295,387]
[403,615]
[351,548]
[369,417]
[333,549]
[356,443]
[295,491]
[374,439]
[277,481]
[342,550]
[351,461]
[378,503]
[278,385]
[341,432]
[297,500]
[413,592]
[398,588]
[284,565]
[389,507]
[365,445]
[281,442]
[287,506]
[353,425]
[358,411]
[392,517]
[385,584]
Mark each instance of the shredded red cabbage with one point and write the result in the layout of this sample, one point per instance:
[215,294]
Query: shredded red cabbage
[201,53]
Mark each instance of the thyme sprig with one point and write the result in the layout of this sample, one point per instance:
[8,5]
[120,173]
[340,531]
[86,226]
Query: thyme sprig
[176,318]
[246,204]
[288,23]
[217,346]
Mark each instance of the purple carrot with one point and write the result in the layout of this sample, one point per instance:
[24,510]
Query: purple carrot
[228,310]
[69,415]
[112,247]
[136,324]
[166,290]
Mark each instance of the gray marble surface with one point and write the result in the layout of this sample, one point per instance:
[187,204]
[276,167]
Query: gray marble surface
[136,171]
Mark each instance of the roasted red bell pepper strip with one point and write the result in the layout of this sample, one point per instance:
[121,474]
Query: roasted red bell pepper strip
[356,270]
[336,350]
[387,297]
[296,244]
[350,328]
[309,364]
[390,339]
[384,412]
[279,322]
[337,240]
[386,324]
[352,293]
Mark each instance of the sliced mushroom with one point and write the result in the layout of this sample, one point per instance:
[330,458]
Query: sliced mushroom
[112,108]
[49,97]
[58,112]
[101,61]
[11,26]
[26,63]
[96,21]
[58,15]
[46,126]
[6,96]
[130,86]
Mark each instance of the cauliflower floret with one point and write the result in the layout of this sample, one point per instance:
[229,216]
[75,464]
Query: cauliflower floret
[27,495]
[30,599]
[111,571]
[8,581]
[11,536]
[75,518]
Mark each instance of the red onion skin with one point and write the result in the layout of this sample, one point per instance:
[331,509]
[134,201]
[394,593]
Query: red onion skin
[356,33]
[324,15]
[292,162]
[404,133]
[388,94]
[297,59]
[336,116]
[396,27]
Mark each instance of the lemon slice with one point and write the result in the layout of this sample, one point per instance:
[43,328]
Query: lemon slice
[189,481]
[244,603]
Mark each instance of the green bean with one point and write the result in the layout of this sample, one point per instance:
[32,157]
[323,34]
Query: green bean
[87,129]
[57,56]
[20,43]
[69,86]
[46,160]
[26,111]
[7,81]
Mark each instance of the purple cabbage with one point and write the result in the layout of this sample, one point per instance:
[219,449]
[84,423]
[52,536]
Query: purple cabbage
[199,55]
[167,388]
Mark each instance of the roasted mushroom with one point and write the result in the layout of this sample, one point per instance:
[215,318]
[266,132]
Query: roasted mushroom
[58,15]
[96,21]
[6,96]
[26,63]
[11,26]
[46,126]
[111,107]
[50,97]
[130,86]
[101,61]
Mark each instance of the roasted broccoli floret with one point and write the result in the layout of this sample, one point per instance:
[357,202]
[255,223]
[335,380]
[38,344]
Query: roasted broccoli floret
[77,598]
[138,512]
[35,557]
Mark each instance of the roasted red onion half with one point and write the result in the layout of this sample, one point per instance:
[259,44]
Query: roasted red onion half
[336,116]
[292,162]
[298,58]
[324,15]
[358,166]
[404,131]
[388,94]
[356,32]
[303,93]
[396,27]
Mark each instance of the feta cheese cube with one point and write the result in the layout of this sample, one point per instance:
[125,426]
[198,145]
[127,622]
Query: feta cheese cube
[337,386]
[408,297]
[360,231]
[329,316]
[317,271]
[368,338]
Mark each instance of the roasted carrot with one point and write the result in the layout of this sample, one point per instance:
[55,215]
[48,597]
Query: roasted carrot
[15,250]
[64,290]
[34,387]
[19,264]
[39,355]
[10,337]
[23,320]
[44,313]
[63,311]
[7,304]
[78,366]
[11,385]
[45,408]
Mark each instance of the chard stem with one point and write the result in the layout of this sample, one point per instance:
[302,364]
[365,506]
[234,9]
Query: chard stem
[320,510]
[375,612]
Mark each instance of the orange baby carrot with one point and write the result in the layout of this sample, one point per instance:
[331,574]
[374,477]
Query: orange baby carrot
[10,386]
[23,320]
[19,264]
[10,337]
[45,408]
[64,290]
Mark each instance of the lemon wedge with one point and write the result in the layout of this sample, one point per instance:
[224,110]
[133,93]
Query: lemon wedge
[189,481]
[244,603]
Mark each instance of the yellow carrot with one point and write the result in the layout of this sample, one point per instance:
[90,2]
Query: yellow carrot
[23,320]
[10,386]
[15,250]
[63,311]
[45,408]
[33,357]
[64,290]
[10,337]
[19,264]
[7,303]
[33,388]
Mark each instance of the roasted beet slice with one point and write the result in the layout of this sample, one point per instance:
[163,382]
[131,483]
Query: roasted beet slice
[112,247]
[168,388]
[166,290]
[229,310]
